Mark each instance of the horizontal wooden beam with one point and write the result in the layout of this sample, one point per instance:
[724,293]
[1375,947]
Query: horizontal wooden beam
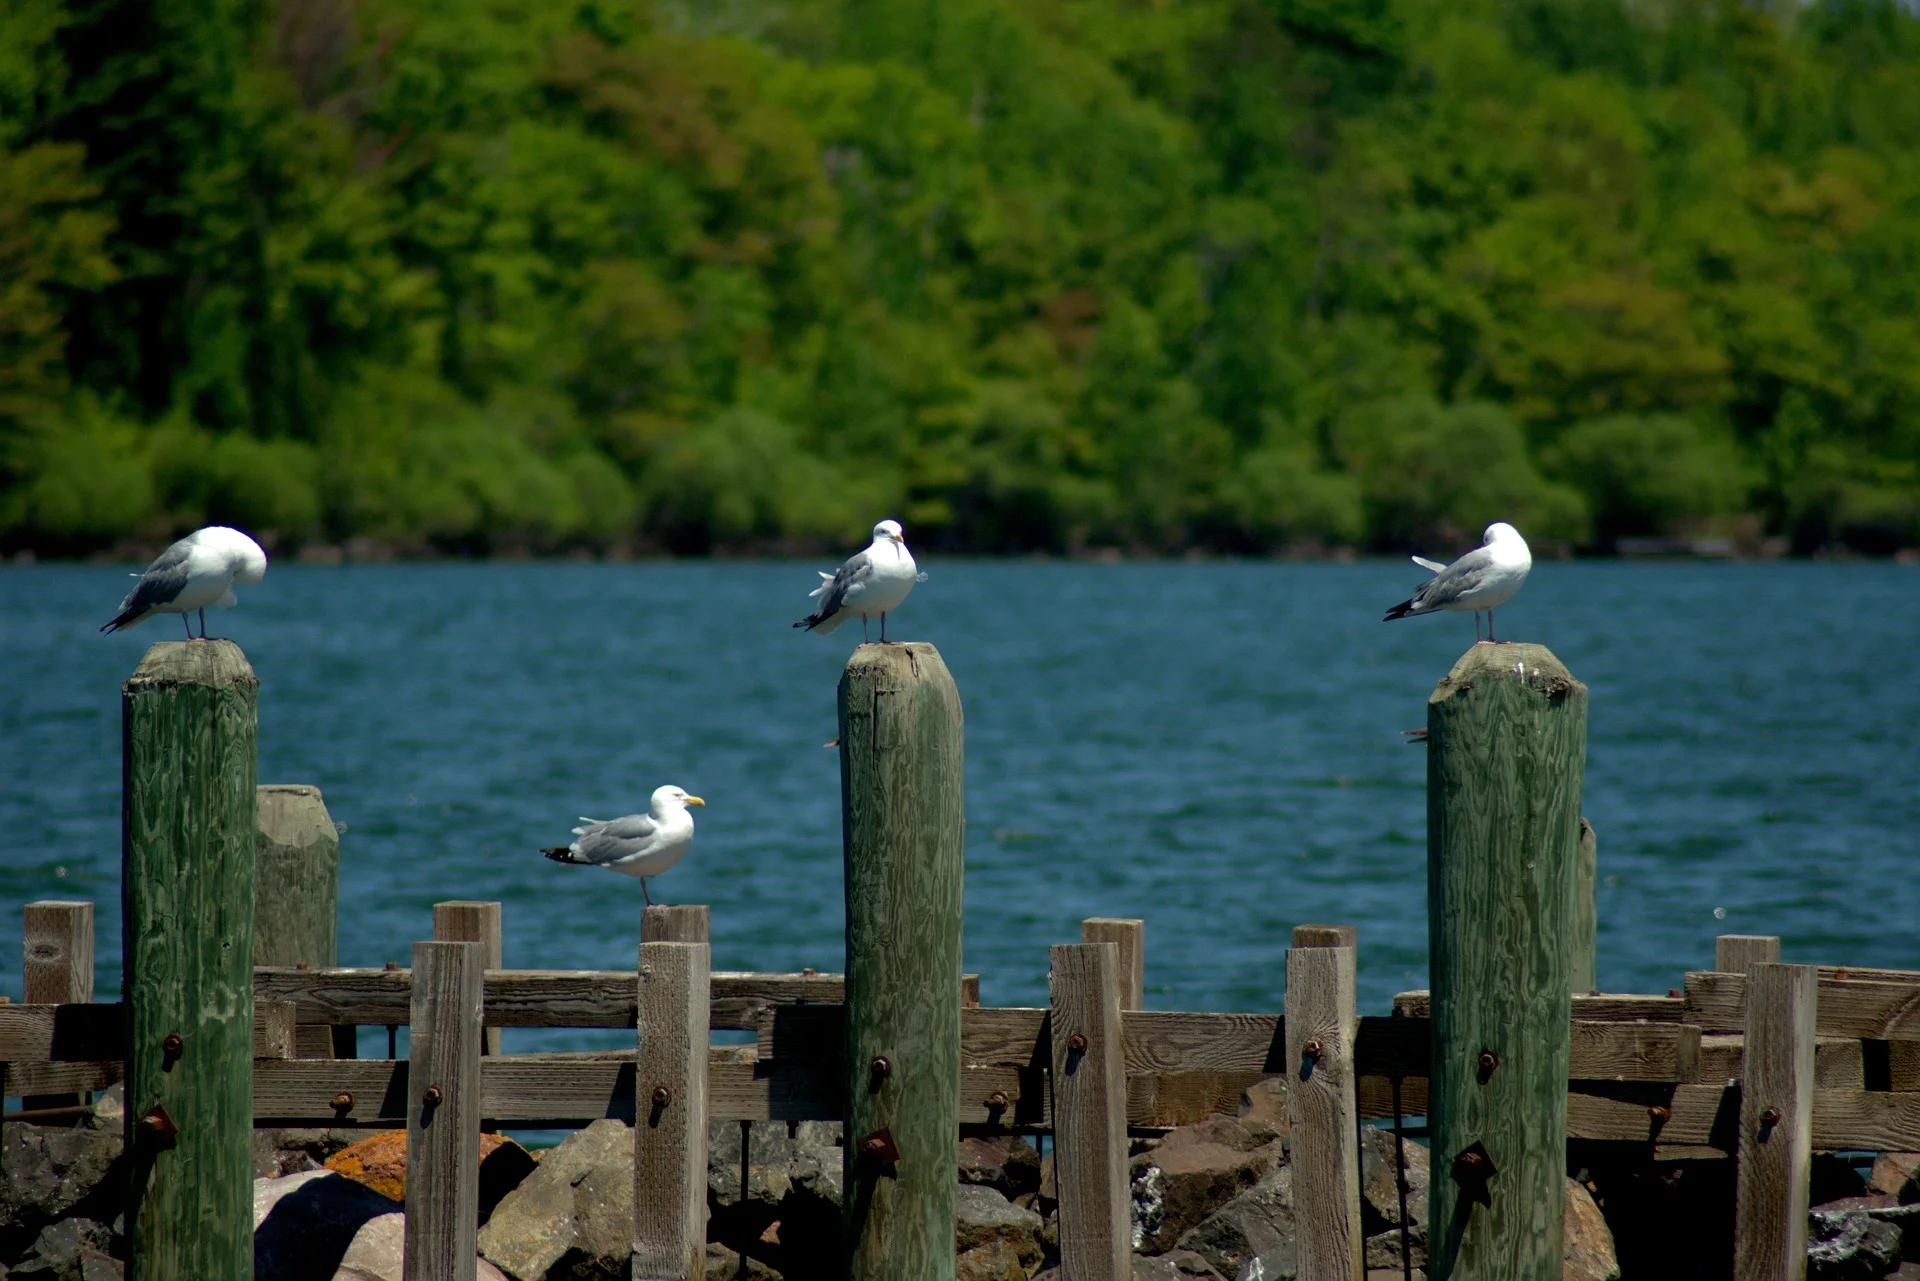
[1879,1008]
[1601,1007]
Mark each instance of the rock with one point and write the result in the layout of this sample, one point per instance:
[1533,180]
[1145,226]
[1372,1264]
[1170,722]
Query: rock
[1896,1173]
[1588,1242]
[49,1173]
[1175,1265]
[1905,1272]
[71,1250]
[571,1218]
[1383,1248]
[994,1239]
[380,1162]
[1195,1170]
[1380,1188]
[304,1223]
[769,1168]
[1263,1107]
[1851,1245]
[1833,1178]
[788,1216]
[1255,1227]
[1007,1163]
[728,1265]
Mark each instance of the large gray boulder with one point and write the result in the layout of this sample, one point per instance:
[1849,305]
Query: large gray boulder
[571,1219]
[319,1225]
[1007,1163]
[70,1250]
[50,1173]
[993,1238]
[1859,1239]
[1175,1265]
[1252,1237]
[1192,1172]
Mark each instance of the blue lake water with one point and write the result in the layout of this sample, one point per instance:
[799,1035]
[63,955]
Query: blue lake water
[1213,747]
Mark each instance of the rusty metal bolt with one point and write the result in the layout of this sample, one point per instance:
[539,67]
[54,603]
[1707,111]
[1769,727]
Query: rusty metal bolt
[1077,1043]
[1673,991]
[1489,1060]
[1312,1048]
[171,1043]
[155,1121]
[432,1098]
[662,1095]
[1660,1114]
[343,1100]
[880,1067]
[997,1101]
[1770,1116]
[873,1146]
[1468,1164]
[393,965]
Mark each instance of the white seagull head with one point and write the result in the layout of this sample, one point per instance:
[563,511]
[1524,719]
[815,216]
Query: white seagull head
[888,530]
[669,798]
[1500,532]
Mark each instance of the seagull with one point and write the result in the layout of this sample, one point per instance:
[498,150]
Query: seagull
[198,571]
[1488,575]
[872,582]
[641,845]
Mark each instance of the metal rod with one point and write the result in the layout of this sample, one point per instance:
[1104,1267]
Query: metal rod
[1400,1185]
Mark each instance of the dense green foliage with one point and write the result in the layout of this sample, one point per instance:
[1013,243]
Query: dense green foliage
[1027,274]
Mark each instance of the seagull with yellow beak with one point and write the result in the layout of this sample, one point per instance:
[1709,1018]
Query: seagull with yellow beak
[642,845]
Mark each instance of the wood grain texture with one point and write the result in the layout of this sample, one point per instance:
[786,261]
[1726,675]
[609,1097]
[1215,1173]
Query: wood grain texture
[1506,746]
[297,878]
[1739,953]
[474,921]
[1327,936]
[1603,1007]
[1323,1114]
[1586,921]
[188,809]
[273,1030]
[443,1136]
[1776,1124]
[904,836]
[1130,937]
[679,923]
[1857,1008]
[670,1136]
[1090,1114]
[57,947]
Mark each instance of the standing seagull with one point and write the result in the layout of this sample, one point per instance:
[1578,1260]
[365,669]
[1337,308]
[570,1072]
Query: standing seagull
[640,845]
[1488,575]
[872,582]
[198,571]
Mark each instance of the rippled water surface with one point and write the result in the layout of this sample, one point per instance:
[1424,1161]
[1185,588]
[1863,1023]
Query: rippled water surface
[1214,747]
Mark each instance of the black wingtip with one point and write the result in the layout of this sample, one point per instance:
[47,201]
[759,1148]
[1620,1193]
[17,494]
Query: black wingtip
[810,622]
[559,854]
[117,623]
[1401,610]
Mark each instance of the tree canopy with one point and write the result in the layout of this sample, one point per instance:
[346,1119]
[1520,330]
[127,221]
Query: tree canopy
[1248,275]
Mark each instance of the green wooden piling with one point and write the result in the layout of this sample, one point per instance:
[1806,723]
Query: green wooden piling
[1506,746]
[904,833]
[187,841]
[1586,912]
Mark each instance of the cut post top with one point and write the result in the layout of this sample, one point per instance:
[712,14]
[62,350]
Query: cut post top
[676,923]
[904,662]
[1532,665]
[195,662]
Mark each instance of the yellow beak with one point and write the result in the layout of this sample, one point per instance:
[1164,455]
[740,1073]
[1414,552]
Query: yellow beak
[695,800]
[896,538]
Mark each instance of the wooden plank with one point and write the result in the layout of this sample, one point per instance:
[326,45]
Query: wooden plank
[1604,1007]
[57,941]
[1871,1120]
[1375,1097]
[33,1080]
[1322,1113]
[56,1033]
[1776,1123]
[474,921]
[680,923]
[1585,921]
[273,1030]
[1851,1007]
[1739,953]
[1647,1113]
[670,1135]
[1130,937]
[1090,1117]
[1635,1052]
[188,810]
[444,1109]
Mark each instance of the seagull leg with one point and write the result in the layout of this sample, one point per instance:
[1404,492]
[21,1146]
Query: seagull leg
[203,623]
[883,629]
[188,624]
[865,635]
[645,893]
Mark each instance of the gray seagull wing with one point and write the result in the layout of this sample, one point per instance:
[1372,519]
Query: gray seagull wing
[162,582]
[609,842]
[1456,580]
[857,570]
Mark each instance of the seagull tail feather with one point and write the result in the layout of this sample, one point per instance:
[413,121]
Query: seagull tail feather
[125,619]
[560,854]
[1401,610]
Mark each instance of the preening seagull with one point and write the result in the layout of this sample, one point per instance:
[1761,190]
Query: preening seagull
[1488,575]
[641,845]
[198,571]
[872,582]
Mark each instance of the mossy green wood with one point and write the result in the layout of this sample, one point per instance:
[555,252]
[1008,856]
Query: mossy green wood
[188,811]
[1506,746]
[905,835]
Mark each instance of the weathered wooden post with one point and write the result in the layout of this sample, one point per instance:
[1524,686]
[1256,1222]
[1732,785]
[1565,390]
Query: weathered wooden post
[1739,953]
[296,896]
[1130,937]
[679,923]
[443,1111]
[1506,746]
[670,1113]
[1324,1112]
[1776,1123]
[1586,912]
[187,847]
[904,831]
[56,969]
[474,921]
[1090,1113]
